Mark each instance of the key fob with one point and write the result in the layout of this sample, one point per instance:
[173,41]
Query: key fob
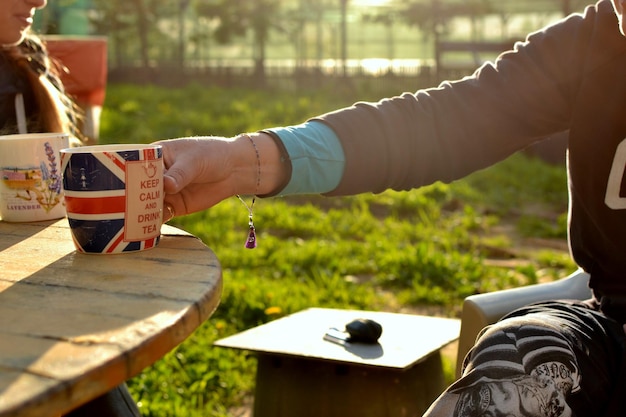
[357,331]
[364,331]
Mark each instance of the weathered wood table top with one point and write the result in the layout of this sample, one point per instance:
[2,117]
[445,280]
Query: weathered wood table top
[73,326]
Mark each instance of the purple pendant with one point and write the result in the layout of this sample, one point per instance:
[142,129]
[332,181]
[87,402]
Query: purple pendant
[251,241]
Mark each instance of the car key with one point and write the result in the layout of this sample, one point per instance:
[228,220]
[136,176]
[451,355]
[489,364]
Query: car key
[357,331]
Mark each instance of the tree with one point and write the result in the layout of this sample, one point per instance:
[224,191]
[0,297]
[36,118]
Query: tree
[119,18]
[183,6]
[237,17]
[344,36]
[434,16]
[387,18]
[142,29]
[295,23]
[113,19]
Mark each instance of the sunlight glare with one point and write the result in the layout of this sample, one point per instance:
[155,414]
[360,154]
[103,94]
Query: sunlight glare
[366,3]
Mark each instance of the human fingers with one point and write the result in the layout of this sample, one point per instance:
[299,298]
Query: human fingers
[188,177]
[184,161]
[193,198]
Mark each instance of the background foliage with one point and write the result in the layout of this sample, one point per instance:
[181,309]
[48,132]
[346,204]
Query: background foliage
[314,35]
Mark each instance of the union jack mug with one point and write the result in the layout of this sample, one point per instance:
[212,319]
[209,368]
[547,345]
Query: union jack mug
[30,188]
[113,196]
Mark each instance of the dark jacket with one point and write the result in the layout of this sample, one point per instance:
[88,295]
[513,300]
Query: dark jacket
[569,76]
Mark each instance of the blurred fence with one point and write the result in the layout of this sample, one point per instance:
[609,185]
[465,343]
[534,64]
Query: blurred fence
[373,74]
[354,80]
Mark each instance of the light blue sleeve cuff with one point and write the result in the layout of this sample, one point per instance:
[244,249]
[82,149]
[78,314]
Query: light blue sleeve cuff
[317,158]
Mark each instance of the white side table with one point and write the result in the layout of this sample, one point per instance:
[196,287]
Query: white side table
[299,374]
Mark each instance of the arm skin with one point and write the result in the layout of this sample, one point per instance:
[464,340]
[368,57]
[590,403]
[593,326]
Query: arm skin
[194,182]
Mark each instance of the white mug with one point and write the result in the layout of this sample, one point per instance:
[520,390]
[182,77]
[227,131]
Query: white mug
[30,186]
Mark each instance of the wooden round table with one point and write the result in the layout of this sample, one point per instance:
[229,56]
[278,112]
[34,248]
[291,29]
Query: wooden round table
[73,326]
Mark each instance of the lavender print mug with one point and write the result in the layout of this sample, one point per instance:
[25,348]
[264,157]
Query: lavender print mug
[30,187]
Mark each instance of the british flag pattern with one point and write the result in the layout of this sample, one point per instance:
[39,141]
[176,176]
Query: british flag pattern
[96,201]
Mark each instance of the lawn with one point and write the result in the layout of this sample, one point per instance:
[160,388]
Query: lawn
[418,251]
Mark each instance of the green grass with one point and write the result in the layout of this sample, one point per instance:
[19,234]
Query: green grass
[396,250]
